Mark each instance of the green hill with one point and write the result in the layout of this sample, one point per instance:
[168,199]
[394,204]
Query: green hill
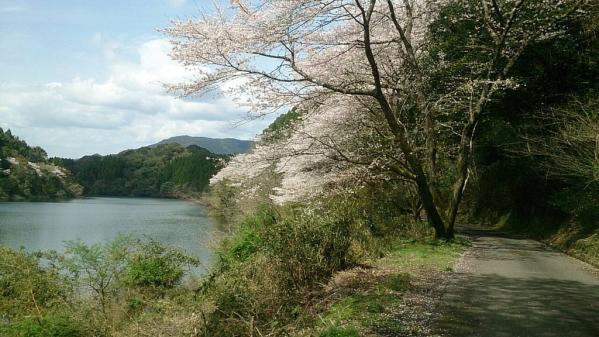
[27,174]
[168,170]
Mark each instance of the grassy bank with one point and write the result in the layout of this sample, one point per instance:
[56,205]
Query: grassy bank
[392,295]
[575,239]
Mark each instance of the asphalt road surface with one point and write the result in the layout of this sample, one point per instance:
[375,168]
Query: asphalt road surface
[515,287]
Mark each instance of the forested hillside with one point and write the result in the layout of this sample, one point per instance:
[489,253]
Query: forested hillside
[168,170]
[26,173]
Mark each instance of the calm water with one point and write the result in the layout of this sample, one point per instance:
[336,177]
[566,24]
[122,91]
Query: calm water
[46,225]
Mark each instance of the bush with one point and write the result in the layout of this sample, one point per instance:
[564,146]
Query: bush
[244,244]
[247,239]
[270,267]
[309,248]
[119,284]
[249,299]
[155,265]
[26,288]
[98,267]
[51,326]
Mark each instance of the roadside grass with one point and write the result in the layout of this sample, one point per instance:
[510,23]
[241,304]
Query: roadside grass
[365,301]
[578,242]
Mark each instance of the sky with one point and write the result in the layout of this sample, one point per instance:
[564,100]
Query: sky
[80,77]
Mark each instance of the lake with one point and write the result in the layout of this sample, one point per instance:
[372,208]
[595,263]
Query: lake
[46,225]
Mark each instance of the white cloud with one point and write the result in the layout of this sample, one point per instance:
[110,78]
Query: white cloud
[12,9]
[177,3]
[129,108]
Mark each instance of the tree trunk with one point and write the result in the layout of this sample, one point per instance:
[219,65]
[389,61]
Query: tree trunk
[428,203]
[399,132]
[462,166]
[465,150]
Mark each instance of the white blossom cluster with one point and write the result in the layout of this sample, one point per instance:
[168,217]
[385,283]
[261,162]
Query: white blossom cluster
[331,149]
[40,169]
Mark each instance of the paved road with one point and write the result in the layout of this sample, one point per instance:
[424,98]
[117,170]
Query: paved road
[513,287]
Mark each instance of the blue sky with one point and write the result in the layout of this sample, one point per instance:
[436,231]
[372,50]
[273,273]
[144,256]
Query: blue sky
[81,77]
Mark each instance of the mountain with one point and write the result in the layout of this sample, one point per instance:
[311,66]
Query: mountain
[166,170]
[214,145]
[27,174]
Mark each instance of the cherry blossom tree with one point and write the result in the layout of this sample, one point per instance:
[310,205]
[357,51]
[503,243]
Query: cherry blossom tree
[347,60]
[330,150]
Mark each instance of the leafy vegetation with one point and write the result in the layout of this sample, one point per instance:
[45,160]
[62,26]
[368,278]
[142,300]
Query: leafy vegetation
[26,173]
[163,171]
[27,288]
[281,127]
[90,290]
[12,146]
[156,266]
[278,260]
[534,162]
[50,326]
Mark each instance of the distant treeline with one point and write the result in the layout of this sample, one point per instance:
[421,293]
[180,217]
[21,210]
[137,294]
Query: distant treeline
[169,170]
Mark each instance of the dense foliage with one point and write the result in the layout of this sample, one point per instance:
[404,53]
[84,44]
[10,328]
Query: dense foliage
[167,170]
[12,146]
[26,173]
[277,260]
[90,290]
[536,155]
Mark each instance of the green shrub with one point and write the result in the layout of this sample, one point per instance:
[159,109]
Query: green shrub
[308,248]
[27,288]
[134,304]
[247,239]
[155,265]
[98,267]
[50,326]
[249,300]
[244,244]
[267,269]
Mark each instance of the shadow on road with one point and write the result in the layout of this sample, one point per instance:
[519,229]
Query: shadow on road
[511,286]
[491,305]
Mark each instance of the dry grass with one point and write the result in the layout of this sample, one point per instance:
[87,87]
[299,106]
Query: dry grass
[392,295]
[578,241]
